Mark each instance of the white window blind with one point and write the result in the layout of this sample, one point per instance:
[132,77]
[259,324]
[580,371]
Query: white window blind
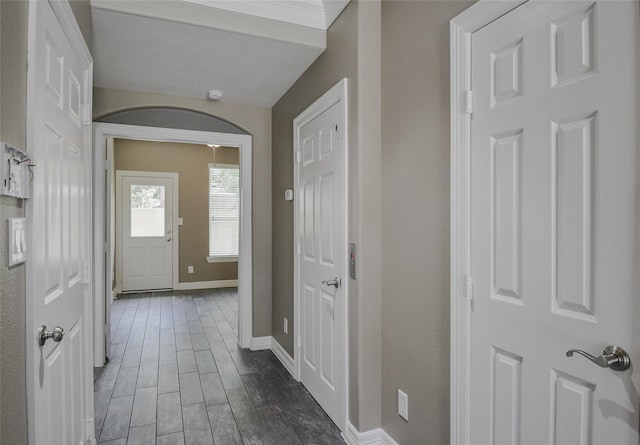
[224,210]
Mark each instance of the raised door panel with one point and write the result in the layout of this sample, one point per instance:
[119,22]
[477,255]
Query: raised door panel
[572,153]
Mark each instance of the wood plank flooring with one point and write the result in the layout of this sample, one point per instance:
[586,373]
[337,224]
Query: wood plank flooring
[176,376]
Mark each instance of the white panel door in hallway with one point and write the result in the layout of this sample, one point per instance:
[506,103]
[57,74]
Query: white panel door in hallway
[554,224]
[59,372]
[321,258]
[147,229]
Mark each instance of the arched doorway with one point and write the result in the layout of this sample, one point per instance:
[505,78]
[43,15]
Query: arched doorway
[173,125]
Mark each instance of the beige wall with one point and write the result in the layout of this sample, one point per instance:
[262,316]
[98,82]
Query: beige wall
[353,52]
[415,229]
[334,64]
[13,90]
[407,304]
[191,162]
[257,122]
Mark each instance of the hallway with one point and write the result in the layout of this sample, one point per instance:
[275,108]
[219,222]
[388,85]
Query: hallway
[176,376]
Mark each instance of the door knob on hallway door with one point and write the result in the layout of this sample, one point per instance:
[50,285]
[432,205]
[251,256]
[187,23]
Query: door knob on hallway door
[613,357]
[56,334]
[336,282]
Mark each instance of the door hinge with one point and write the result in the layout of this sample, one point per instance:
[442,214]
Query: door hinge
[87,114]
[107,248]
[87,273]
[298,248]
[469,102]
[107,329]
[107,165]
[298,156]
[468,288]
[299,341]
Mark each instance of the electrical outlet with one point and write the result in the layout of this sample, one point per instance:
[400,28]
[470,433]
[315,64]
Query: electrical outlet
[190,269]
[403,405]
[286,326]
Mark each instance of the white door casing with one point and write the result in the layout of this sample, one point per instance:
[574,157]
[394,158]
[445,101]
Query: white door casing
[543,217]
[147,262]
[59,374]
[102,161]
[320,152]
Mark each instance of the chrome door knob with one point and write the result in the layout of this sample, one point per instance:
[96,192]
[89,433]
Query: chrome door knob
[56,334]
[613,357]
[336,282]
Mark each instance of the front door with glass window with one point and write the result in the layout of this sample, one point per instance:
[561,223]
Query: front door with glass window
[147,230]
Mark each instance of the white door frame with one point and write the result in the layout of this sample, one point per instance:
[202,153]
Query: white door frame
[462,27]
[175,202]
[69,25]
[338,93]
[102,161]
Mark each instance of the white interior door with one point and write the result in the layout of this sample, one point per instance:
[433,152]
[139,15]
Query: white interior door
[147,229]
[58,281]
[321,260]
[554,224]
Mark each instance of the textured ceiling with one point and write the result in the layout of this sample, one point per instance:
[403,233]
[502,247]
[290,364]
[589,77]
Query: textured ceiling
[185,49]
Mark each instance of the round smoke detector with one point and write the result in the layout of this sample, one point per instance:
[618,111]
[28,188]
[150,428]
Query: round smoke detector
[215,95]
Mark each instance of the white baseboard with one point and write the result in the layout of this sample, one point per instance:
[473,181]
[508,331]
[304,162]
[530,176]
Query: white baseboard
[260,343]
[207,284]
[283,356]
[386,439]
[373,437]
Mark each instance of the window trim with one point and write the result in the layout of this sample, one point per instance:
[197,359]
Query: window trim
[222,259]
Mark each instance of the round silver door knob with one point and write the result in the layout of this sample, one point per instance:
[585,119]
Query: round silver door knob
[56,334]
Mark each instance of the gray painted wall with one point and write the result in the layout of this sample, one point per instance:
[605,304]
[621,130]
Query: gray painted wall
[415,223]
[353,51]
[257,122]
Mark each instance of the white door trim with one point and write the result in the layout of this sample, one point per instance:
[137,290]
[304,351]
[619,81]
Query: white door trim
[338,93]
[462,27]
[69,25]
[174,224]
[101,161]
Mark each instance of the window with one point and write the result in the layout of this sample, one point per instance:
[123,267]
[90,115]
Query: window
[147,211]
[224,212]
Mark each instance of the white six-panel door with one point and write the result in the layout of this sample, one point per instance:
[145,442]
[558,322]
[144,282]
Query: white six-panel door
[58,281]
[147,216]
[554,224]
[321,258]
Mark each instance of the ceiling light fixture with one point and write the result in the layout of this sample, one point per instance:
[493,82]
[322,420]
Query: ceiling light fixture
[213,146]
[215,95]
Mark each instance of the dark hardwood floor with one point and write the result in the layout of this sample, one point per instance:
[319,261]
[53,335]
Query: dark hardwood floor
[176,376]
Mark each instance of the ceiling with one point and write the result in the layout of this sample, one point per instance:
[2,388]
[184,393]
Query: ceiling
[252,50]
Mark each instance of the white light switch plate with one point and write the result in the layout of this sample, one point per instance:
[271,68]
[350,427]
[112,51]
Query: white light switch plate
[17,241]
